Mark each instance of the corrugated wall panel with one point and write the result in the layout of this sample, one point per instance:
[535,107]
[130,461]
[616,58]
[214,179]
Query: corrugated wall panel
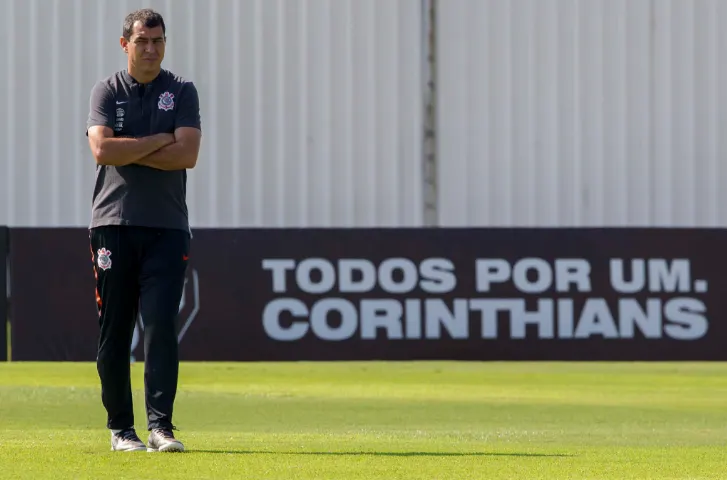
[582,112]
[311,109]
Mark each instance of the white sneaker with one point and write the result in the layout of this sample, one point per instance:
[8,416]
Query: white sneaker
[126,441]
[162,440]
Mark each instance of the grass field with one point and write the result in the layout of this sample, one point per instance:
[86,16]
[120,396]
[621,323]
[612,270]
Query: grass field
[430,420]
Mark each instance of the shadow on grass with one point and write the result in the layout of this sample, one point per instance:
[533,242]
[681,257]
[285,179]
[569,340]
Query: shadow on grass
[387,454]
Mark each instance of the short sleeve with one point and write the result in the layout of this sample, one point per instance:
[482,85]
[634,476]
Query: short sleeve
[101,108]
[188,108]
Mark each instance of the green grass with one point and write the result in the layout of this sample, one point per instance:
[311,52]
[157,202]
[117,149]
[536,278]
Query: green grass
[428,420]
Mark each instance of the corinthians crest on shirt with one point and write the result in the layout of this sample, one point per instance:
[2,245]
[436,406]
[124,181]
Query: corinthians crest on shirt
[104,259]
[166,101]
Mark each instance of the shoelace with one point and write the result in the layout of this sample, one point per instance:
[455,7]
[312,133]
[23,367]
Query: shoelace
[128,435]
[163,433]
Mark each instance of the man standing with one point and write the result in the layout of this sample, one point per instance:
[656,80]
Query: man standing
[144,131]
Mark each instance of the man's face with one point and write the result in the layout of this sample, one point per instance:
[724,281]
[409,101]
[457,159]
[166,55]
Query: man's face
[145,48]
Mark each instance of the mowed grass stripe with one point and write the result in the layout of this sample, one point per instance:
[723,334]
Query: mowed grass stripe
[382,420]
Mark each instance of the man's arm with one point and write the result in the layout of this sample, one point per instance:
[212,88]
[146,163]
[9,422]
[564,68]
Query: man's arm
[106,149]
[180,155]
[120,151]
[183,153]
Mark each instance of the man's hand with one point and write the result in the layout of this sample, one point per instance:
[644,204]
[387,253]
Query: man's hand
[179,155]
[120,151]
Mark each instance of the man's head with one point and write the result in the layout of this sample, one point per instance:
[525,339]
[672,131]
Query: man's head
[144,40]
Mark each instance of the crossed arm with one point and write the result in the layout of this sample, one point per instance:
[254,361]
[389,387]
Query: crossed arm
[163,151]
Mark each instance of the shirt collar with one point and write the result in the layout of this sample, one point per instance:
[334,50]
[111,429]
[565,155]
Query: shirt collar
[134,83]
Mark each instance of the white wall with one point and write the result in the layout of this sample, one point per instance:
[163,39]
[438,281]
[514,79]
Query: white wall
[311,109]
[550,112]
[582,112]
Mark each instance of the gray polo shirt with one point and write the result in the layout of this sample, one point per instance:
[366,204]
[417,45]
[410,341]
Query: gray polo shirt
[137,195]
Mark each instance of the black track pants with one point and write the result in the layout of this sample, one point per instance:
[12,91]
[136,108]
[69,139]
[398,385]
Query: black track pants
[138,268]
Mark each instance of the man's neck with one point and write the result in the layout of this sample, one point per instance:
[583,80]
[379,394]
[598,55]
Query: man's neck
[143,78]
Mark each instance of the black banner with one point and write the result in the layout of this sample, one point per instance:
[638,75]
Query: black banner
[53,307]
[402,294]
[4,311]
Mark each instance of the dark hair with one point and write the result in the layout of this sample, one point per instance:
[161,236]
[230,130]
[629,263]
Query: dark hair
[148,17]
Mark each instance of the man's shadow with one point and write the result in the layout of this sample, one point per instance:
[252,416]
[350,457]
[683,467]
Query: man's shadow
[386,454]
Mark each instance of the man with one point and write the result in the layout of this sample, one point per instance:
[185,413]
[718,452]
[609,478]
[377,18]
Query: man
[144,131]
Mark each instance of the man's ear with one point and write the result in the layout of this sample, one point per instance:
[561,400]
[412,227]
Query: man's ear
[124,44]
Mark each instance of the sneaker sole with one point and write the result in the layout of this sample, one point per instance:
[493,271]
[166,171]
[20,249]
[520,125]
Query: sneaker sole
[137,449]
[172,447]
